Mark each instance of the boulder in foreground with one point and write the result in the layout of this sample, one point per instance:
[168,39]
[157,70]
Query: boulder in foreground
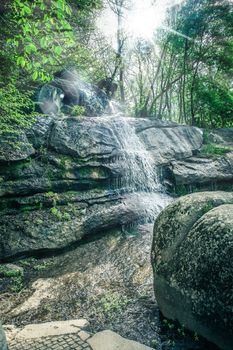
[193,267]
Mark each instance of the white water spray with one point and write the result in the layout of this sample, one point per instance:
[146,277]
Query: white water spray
[139,175]
[140,172]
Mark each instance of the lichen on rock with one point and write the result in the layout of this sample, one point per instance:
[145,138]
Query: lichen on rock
[191,259]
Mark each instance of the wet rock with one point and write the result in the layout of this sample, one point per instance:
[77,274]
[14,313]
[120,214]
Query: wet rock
[68,90]
[65,179]
[3,343]
[171,142]
[203,170]
[59,186]
[192,271]
[57,227]
[15,148]
[222,136]
[108,340]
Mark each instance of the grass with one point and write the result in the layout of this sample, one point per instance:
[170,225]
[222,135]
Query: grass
[211,149]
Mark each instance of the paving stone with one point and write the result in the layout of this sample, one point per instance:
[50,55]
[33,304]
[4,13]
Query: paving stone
[61,342]
[108,340]
[51,329]
[84,335]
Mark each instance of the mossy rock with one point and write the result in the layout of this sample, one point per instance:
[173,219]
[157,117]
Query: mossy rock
[191,259]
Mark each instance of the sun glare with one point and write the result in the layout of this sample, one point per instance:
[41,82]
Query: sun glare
[145,18]
[140,21]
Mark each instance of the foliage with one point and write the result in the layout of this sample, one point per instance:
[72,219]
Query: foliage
[41,32]
[38,39]
[201,52]
[16,109]
[186,74]
[59,215]
[78,111]
[56,212]
[211,149]
[10,272]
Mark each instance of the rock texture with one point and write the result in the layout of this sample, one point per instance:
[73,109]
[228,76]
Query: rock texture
[201,170]
[205,170]
[3,343]
[67,335]
[191,259]
[62,179]
[61,335]
[108,340]
[68,178]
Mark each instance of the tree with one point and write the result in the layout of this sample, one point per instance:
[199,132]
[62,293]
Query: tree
[119,7]
[201,46]
[37,39]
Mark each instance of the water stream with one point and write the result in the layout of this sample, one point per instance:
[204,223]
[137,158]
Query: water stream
[140,180]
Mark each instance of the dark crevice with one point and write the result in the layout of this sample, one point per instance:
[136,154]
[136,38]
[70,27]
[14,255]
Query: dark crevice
[50,252]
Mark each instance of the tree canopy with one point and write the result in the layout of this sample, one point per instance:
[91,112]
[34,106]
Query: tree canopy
[183,74]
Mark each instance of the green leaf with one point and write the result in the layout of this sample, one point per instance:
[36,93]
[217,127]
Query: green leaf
[35,75]
[68,10]
[43,42]
[27,10]
[57,50]
[21,61]
[30,48]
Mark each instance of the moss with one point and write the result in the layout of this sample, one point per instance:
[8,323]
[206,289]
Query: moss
[214,150]
[92,172]
[182,190]
[44,265]
[208,206]
[16,284]
[98,190]
[10,272]
[114,302]
[31,207]
[61,216]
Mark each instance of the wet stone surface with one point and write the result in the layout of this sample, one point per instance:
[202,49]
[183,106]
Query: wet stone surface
[108,282]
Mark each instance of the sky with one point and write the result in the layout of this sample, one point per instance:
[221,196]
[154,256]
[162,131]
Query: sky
[141,21]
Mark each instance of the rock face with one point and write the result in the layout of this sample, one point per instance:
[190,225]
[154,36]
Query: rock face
[196,170]
[68,178]
[62,179]
[3,343]
[203,170]
[191,259]
[68,90]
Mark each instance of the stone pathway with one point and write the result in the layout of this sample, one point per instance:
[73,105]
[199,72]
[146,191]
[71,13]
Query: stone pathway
[66,335]
[62,342]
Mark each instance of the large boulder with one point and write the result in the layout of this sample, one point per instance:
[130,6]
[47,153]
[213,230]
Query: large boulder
[193,267]
[68,90]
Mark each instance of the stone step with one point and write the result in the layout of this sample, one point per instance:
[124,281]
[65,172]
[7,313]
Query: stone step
[66,335]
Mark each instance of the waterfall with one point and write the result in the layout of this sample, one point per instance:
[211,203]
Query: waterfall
[140,180]
[140,172]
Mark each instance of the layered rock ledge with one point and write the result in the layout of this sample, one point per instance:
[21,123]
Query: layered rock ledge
[65,179]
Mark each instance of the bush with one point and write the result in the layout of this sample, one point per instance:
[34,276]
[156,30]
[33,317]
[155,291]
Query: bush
[78,111]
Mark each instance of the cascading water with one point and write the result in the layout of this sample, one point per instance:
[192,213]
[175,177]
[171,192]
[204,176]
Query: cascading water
[140,178]
[140,173]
